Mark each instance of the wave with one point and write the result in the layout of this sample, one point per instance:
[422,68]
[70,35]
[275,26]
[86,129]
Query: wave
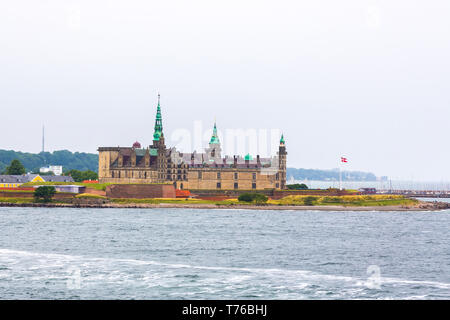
[48,260]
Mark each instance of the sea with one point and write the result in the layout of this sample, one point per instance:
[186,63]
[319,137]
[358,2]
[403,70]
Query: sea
[379,184]
[165,253]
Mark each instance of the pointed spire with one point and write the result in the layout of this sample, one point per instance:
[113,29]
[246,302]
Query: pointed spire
[158,121]
[215,136]
[282,139]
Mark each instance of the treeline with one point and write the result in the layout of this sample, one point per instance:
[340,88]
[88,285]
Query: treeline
[32,162]
[89,162]
[324,175]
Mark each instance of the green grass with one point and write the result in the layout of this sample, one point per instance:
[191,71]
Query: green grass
[16,200]
[89,196]
[355,200]
[350,201]
[21,191]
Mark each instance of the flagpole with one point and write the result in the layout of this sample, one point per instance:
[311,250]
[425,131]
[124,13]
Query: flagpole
[340,175]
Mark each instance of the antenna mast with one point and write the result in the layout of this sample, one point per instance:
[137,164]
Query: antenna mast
[43,138]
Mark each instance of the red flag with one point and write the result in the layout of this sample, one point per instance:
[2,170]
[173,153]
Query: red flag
[344,159]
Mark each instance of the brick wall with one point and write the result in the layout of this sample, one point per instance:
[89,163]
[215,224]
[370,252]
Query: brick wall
[140,191]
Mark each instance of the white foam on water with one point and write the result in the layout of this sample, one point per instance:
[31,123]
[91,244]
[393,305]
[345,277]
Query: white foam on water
[103,269]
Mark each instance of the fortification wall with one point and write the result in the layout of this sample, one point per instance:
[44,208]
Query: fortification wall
[140,191]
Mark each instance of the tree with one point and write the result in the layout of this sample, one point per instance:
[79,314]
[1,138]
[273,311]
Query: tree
[79,176]
[15,168]
[75,174]
[49,173]
[89,175]
[253,197]
[297,186]
[44,193]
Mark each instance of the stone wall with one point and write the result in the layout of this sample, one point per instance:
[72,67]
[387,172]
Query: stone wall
[140,191]
[95,191]
[12,194]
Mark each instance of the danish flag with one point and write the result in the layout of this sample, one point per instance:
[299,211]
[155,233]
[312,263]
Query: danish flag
[344,159]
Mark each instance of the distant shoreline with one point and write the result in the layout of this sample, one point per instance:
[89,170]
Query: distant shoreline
[422,206]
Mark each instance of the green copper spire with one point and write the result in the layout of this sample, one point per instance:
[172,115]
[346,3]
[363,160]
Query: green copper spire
[248,157]
[282,139]
[158,122]
[215,137]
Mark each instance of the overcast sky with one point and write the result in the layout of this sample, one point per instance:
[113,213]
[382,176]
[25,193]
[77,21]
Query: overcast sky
[365,79]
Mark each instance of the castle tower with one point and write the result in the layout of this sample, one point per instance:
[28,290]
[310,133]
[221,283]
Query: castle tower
[214,151]
[282,162]
[158,125]
[158,143]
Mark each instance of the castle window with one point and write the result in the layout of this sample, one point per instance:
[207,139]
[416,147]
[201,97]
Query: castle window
[277,185]
[218,175]
[219,185]
[254,176]
[277,176]
[236,175]
[112,174]
[184,177]
[181,186]
[236,185]
[199,174]
[179,177]
[253,185]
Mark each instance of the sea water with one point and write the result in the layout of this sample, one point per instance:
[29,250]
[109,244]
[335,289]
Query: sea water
[68,253]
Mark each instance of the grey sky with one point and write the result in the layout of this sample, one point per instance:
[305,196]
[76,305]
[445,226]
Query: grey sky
[364,79]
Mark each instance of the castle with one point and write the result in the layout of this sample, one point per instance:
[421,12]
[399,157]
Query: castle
[209,170]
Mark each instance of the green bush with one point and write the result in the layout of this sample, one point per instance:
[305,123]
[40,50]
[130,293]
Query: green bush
[297,186]
[253,197]
[44,193]
[332,200]
[309,201]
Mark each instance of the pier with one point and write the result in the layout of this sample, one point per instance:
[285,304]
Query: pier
[418,193]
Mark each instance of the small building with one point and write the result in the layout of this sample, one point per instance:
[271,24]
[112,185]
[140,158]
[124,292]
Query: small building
[15,181]
[367,190]
[57,170]
[58,179]
[70,188]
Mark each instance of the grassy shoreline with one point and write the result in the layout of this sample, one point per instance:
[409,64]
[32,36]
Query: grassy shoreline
[291,202]
[342,203]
